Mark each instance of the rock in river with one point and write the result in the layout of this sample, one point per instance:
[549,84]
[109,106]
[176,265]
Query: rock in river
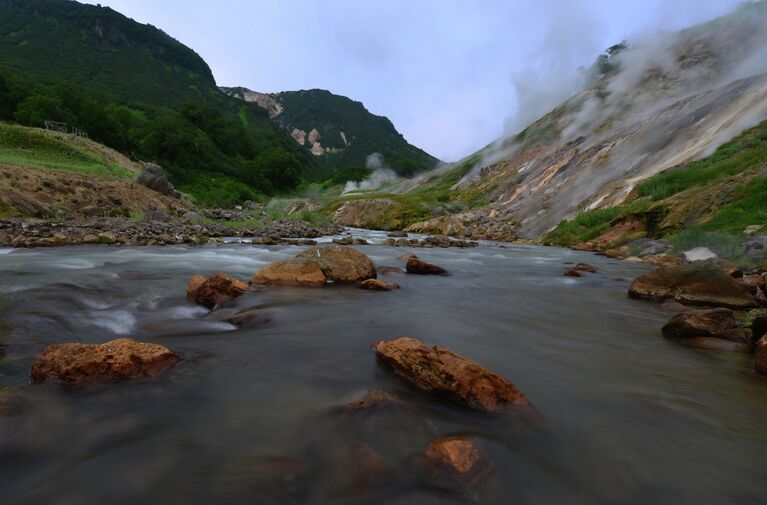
[717,323]
[117,360]
[215,290]
[699,283]
[439,371]
[420,267]
[459,459]
[317,266]
[378,285]
[761,356]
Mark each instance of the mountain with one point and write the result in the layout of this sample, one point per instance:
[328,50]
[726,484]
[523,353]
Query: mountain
[136,89]
[101,50]
[649,108]
[339,131]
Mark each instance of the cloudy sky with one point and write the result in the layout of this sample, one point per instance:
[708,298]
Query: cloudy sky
[451,74]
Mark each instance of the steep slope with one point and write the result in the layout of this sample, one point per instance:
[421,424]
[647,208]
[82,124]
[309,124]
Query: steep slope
[665,102]
[339,131]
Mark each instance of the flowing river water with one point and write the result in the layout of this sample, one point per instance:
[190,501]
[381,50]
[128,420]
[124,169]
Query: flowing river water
[627,416]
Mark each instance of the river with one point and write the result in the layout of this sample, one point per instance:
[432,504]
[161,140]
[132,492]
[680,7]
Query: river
[627,416]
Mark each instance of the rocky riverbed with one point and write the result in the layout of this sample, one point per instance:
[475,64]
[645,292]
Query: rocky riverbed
[274,393]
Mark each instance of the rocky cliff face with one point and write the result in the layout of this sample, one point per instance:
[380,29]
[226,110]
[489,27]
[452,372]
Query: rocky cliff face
[671,100]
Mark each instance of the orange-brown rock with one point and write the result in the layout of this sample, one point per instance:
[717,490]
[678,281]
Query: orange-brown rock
[214,290]
[585,267]
[291,273]
[699,283]
[753,280]
[446,374]
[378,285]
[341,264]
[113,361]
[460,459]
[761,355]
[420,267]
[630,227]
[583,247]
[571,272]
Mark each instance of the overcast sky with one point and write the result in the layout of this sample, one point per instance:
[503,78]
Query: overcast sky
[448,73]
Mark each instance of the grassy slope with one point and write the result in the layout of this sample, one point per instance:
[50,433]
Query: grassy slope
[695,204]
[36,147]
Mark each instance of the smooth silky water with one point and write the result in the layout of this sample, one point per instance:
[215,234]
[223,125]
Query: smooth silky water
[247,417]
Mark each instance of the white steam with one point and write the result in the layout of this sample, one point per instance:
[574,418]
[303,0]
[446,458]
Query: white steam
[381,176]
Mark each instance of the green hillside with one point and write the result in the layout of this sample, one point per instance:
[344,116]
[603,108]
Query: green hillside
[365,132]
[137,90]
[710,202]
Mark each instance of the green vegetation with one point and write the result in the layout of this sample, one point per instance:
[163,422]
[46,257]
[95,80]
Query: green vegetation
[732,158]
[719,227]
[365,133]
[31,146]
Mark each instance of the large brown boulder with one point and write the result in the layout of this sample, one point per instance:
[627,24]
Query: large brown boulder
[420,267]
[117,360]
[459,459]
[717,323]
[700,283]
[341,264]
[291,273]
[214,290]
[439,371]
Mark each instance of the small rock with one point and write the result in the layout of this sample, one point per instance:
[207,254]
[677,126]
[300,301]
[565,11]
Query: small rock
[398,234]
[215,290]
[378,285]
[119,359]
[420,267]
[585,267]
[699,254]
[571,272]
[460,460]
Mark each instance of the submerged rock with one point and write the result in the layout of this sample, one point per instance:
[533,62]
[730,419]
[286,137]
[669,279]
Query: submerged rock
[571,272]
[248,318]
[378,285]
[215,290]
[444,373]
[117,360]
[717,323]
[420,267]
[585,267]
[375,401]
[460,460]
[700,283]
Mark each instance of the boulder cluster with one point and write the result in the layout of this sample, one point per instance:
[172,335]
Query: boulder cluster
[709,296]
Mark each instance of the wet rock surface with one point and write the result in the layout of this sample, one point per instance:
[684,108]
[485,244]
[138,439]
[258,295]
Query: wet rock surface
[441,372]
[417,266]
[700,283]
[458,461]
[716,323]
[378,285]
[214,290]
[113,361]
[318,266]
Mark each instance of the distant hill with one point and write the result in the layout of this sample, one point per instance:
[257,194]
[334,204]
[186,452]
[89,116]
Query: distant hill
[101,50]
[339,131]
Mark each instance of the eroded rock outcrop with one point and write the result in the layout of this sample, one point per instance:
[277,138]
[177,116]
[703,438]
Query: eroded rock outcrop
[153,177]
[439,371]
[700,283]
[113,361]
[214,290]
